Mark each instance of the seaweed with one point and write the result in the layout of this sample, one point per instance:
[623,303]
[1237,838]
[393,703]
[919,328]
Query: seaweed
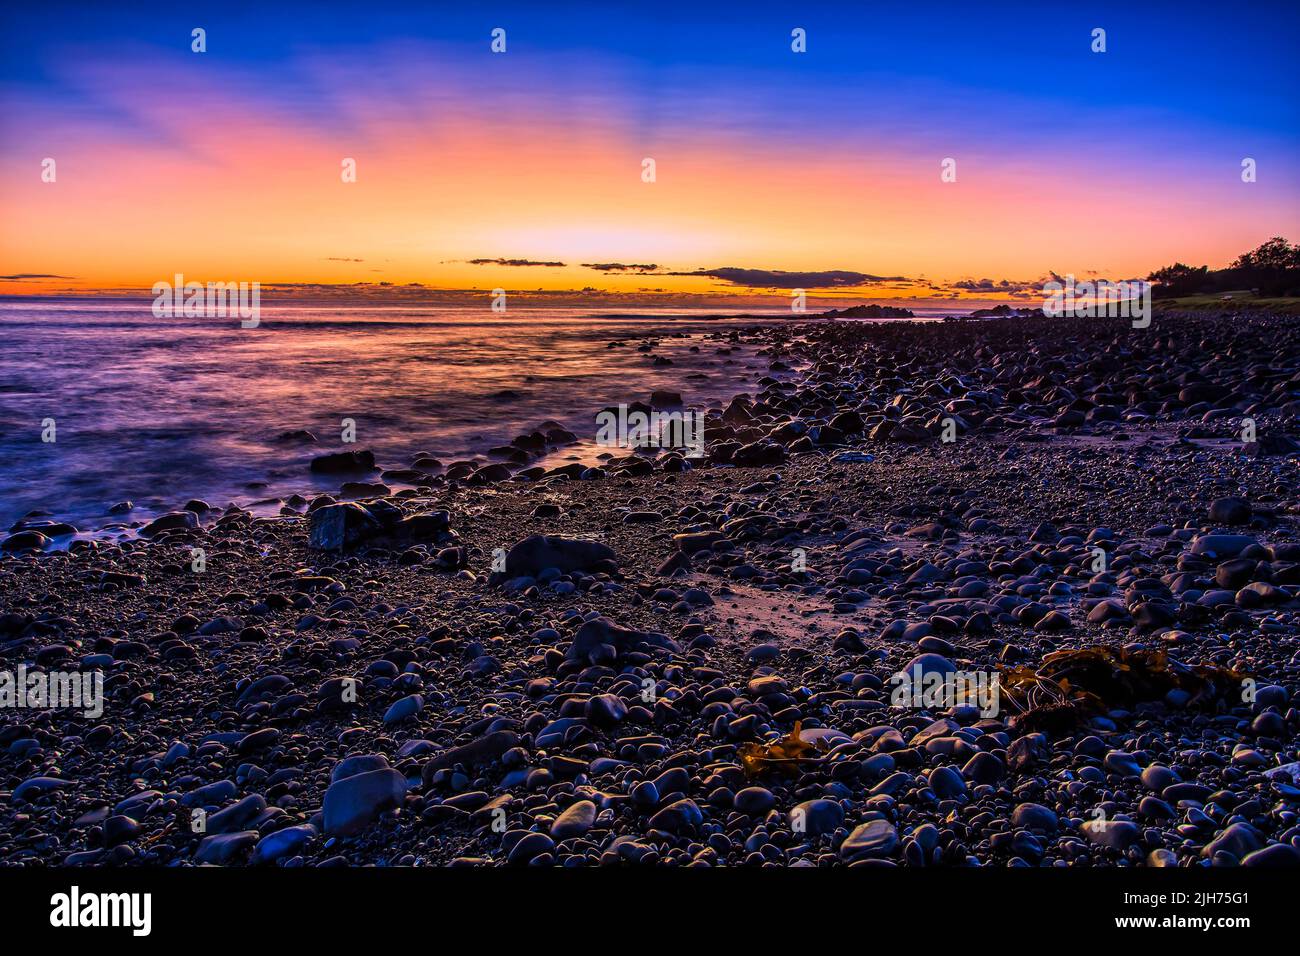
[786,754]
[1068,686]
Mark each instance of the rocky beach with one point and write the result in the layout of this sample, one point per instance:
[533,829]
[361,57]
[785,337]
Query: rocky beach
[654,660]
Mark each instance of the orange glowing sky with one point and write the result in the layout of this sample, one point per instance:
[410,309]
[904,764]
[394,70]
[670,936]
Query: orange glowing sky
[168,162]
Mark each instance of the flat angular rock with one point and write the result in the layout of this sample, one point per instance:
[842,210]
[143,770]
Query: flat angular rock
[342,526]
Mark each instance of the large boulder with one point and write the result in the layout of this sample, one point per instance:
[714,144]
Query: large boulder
[600,632]
[342,526]
[1270,445]
[352,803]
[1221,545]
[759,454]
[431,526]
[25,541]
[738,412]
[533,555]
[1230,510]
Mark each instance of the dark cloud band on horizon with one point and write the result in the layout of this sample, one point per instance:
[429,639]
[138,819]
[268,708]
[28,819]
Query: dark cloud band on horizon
[513,262]
[993,285]
[780,279]
[622,267]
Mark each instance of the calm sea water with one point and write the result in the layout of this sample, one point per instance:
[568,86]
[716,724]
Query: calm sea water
[158,411]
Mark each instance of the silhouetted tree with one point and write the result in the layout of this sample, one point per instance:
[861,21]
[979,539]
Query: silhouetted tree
[1179,279]
[1276,255]
[1273,269]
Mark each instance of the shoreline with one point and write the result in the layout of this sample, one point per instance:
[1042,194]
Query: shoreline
[267,489]
[266,493]
[835,540]
[260,452]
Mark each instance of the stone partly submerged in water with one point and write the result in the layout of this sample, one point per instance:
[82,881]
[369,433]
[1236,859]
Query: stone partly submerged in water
[173,521]
[343,463]
[25,541]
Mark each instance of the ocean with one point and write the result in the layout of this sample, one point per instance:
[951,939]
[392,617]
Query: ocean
[159,411]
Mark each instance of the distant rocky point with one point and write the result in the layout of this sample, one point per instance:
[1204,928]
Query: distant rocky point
[1000,312]
[868,312]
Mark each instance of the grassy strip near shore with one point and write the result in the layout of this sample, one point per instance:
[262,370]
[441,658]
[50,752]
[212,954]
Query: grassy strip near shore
[1281,305]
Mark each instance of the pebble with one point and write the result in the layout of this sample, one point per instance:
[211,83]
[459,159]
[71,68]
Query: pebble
[875,838]
[348,659]
[575,821]
[816,817]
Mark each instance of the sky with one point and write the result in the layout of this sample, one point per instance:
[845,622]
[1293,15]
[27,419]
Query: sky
[525,169]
